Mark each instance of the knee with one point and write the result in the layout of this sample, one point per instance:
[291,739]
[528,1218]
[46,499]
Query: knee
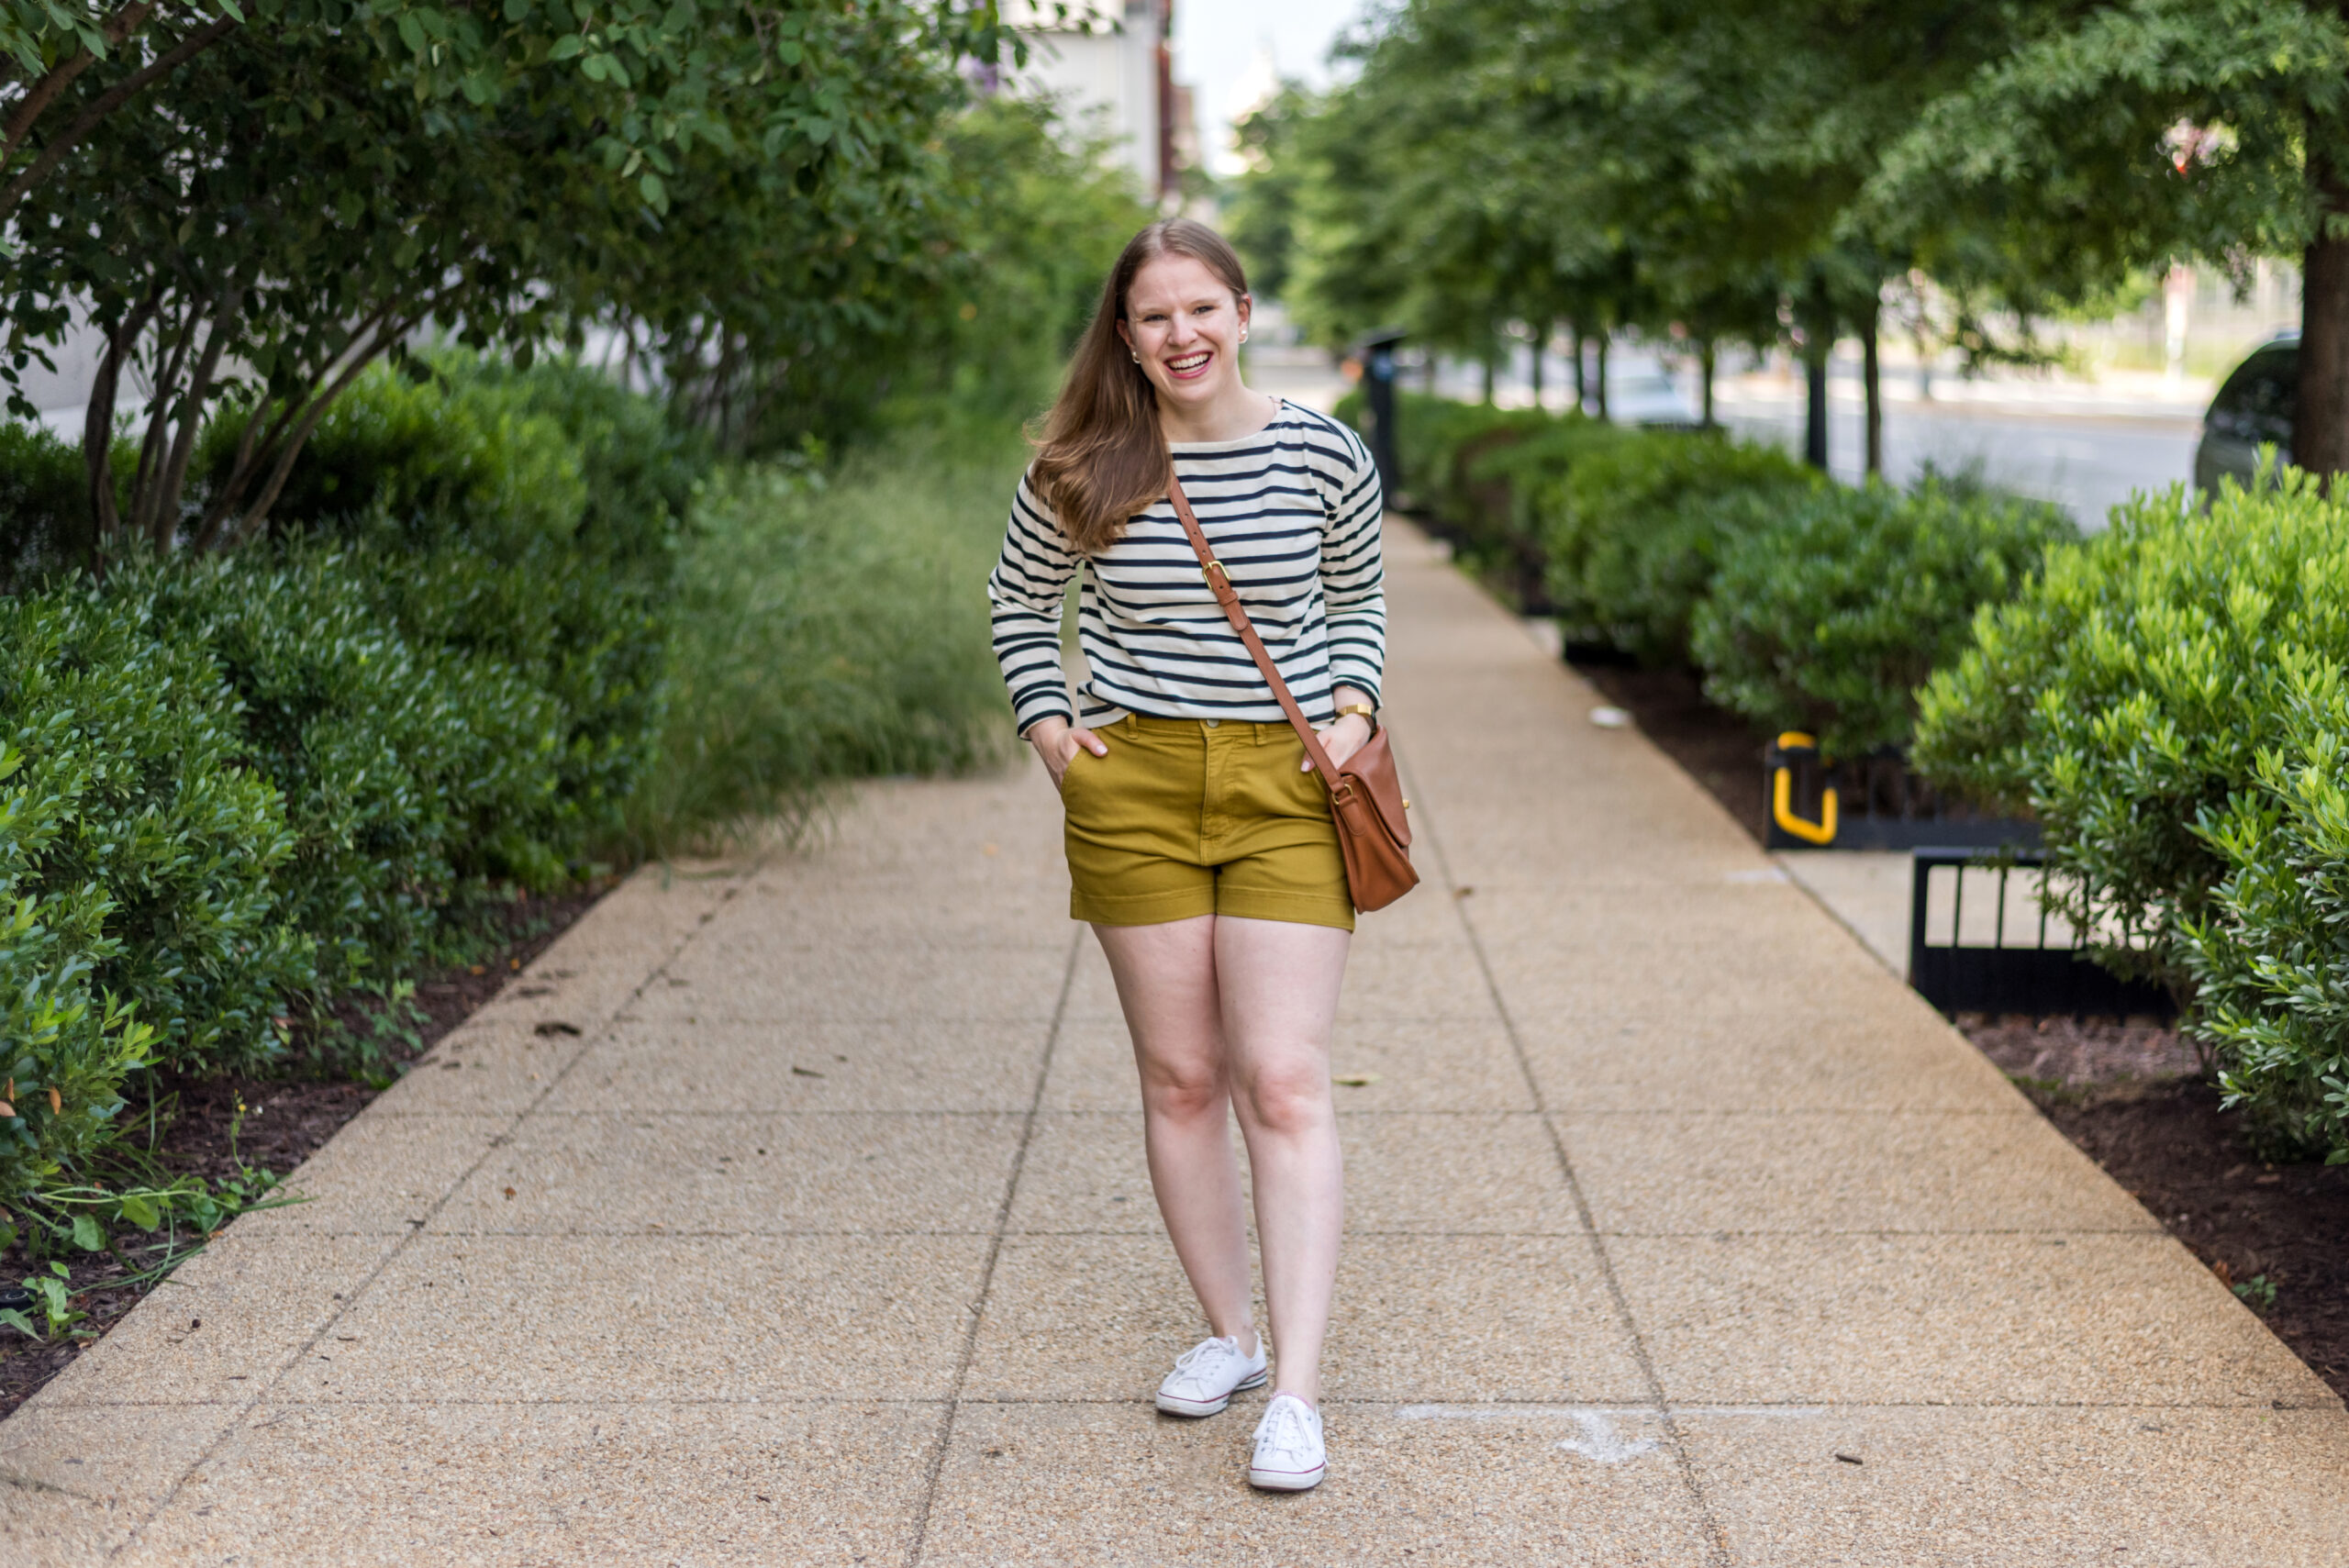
[1183,1093]
[1289,1098]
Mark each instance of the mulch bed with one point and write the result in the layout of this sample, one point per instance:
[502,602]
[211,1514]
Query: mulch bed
[2132,1096]
[285,1120]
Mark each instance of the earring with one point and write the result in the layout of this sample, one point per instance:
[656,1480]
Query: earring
[1132,355]
[1243,334]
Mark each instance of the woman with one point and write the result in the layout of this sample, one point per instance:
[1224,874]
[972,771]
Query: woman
[1200,845]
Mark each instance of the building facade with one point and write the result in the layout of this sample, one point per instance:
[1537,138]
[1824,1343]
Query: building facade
[1113,63]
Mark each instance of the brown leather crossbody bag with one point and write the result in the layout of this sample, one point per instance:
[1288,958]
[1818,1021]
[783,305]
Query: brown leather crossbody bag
[1365,797]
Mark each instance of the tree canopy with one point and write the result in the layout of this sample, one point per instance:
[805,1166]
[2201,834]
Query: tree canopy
[1755,169]
[251,203]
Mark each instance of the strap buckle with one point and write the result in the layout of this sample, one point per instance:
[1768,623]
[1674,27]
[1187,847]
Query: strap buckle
[1214,565]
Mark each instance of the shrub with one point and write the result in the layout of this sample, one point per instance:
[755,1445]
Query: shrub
[535,516]
[56,1037]
[1445,450]
[1825,616]
[1613,530]
[427,457]
[142,848]
[1469,472]
[2127,694]
[45,520]
[594,638]
[409,772]
[640,464]
[2269,956]
[1632,527]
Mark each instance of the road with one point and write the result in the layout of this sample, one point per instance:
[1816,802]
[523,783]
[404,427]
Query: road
[2086,462]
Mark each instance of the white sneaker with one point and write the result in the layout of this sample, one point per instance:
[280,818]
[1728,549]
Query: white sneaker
[1289,1456]
[1207,1375]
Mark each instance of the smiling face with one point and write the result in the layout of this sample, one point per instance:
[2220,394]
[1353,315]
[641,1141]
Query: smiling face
[1185,325]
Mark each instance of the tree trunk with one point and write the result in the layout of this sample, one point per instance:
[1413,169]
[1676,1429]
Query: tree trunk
[1582,385]
[1872,384]
[164,519]
[98,427]
[1705,355]
[1601,388]
[163,385]
[1540,337]
[1814,375]
[1489,378]
[2321,430]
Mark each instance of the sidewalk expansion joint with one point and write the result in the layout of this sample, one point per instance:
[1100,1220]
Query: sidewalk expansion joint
[1716,1535]
[976,1310]
[346,1303]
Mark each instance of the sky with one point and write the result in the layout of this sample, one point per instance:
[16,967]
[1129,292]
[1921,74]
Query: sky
[1231,50]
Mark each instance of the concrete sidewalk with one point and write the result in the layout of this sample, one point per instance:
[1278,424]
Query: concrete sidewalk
[1680,1233]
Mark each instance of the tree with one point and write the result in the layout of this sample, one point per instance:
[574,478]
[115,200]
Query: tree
[1261,219]
[1657,163]
[669,59]
[2107,138]
[301,203]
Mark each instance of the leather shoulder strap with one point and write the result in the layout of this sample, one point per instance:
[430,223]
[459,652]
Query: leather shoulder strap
[1219,585]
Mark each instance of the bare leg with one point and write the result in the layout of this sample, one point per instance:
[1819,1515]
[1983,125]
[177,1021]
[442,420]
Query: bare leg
[1166,984]
[1278,982]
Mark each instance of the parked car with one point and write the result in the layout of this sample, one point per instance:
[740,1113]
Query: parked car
[2257,404]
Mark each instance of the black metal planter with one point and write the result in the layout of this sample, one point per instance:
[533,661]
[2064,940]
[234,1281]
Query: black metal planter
[2019,972]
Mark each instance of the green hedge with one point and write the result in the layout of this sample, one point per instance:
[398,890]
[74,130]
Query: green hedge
[239,784]
[1633,527]
[506,623]
[45,520]
[1458,462]
[412,772]
[139,856]
[1827,615]
[2267,955]
[2159,696]
[1612,530]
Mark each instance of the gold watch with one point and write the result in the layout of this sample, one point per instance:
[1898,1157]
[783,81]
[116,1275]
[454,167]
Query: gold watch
[1363,708]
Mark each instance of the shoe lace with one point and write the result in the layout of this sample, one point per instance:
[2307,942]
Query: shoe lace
[1285,1430]
[1191,1357]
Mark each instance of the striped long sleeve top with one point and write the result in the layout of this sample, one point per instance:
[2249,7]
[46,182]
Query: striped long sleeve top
[1292,512]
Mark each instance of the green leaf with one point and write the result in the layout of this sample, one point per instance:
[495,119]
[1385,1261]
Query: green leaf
[140,1210]
[655,192]
[88,1235]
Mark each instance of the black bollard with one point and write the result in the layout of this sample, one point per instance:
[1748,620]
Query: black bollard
[1376,352]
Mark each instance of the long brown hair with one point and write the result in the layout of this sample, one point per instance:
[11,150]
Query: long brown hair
[1101,457]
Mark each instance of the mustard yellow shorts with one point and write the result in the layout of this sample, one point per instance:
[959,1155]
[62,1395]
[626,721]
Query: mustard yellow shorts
[1191,816]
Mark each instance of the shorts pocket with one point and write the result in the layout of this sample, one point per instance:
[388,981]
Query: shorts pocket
[1078,776]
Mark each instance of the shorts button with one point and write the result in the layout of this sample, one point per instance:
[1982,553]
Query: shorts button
[1212,723]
